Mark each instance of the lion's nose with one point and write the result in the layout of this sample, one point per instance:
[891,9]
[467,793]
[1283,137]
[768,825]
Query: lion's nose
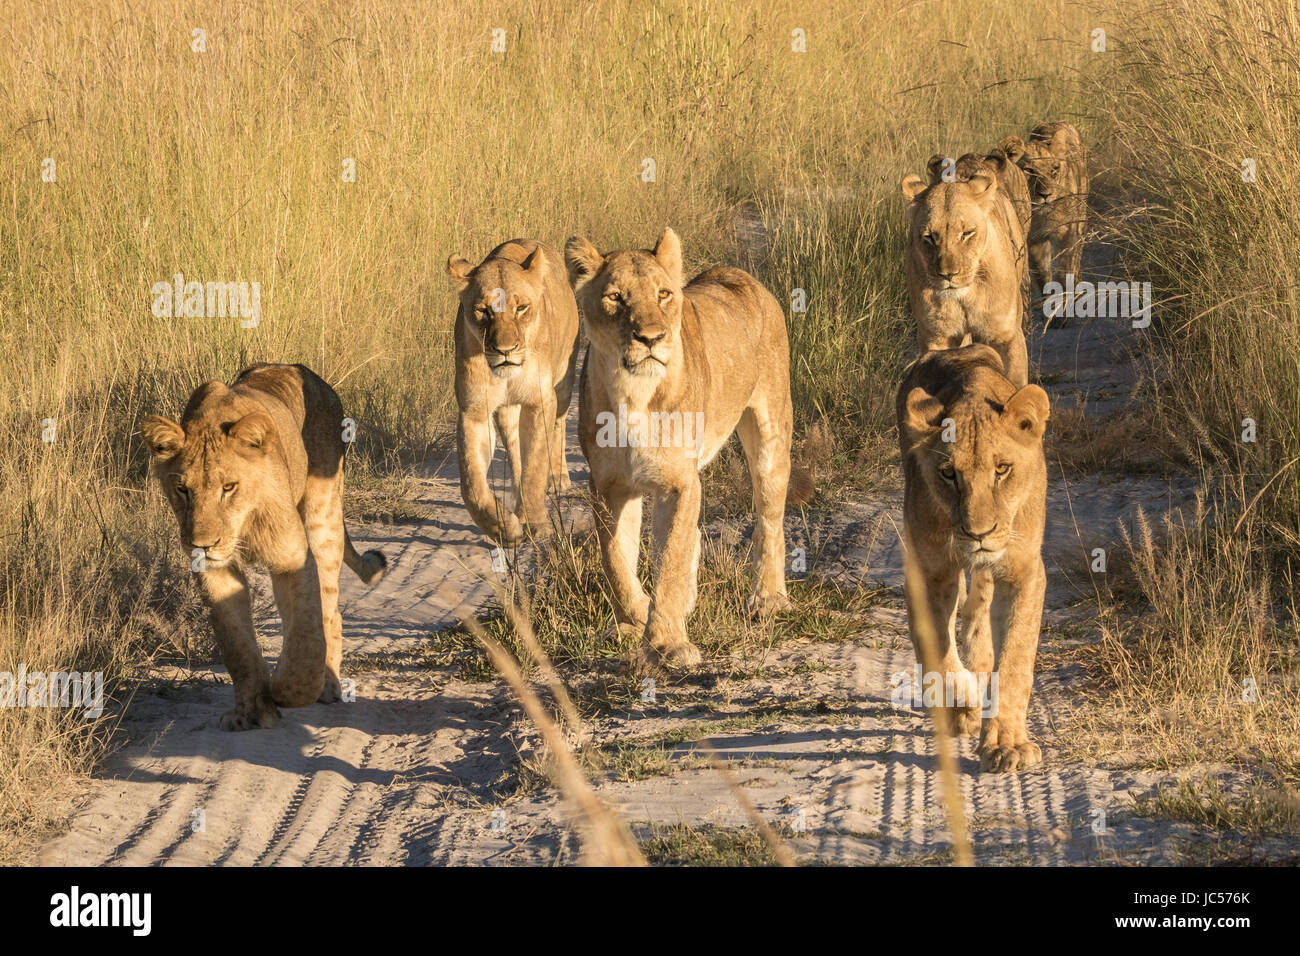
[505,348]
[649,340]
[979,535]
[201,539]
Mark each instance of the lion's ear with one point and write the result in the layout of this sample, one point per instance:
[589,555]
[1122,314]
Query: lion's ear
[668,250]
[163,437]
[534,263]
[1062,143]
[996,161]
[1013,147]
[1026,412]
[252,431]
[983,185]
[581,260]
[934,168]
[913,186]
[459,269]
[924,413]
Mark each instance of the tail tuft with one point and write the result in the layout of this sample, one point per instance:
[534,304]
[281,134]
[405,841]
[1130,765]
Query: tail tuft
[373,567]
[369,567]
[800,490]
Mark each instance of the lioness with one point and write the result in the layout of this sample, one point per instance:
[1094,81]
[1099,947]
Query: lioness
[254,473]
[516,347]
[672,370]
[1014,186]
[1055,162]
[963,274]
[977,502]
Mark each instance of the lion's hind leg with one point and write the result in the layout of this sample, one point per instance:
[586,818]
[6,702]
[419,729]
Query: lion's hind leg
[323,519]
[765,438]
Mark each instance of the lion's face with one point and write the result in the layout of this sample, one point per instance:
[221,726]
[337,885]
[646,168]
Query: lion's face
[501,304]
[631,302]
[992,465]
[950,228]
[213,473]
[1045,173]
[1047,163]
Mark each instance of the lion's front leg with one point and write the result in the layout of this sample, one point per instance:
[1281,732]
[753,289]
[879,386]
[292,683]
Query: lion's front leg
[766,440]
[677,515]
[300,674]
[1016,617]
[618,527]
[1040,268]
[474,445]
[536,436]
[225,591]
[942,594]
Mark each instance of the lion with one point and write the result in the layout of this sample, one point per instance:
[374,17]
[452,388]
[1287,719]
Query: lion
[975,490]
[671,371]
[1055,162]
[1014,186]
[964,277]
[516,351]
[254,473]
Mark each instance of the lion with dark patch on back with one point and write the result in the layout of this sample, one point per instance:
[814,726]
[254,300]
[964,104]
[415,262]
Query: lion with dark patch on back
[254,474]
[974,500]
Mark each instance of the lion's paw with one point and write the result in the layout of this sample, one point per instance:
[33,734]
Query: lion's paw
[332,692]
[651,659]
[765,605]
[265,716]
[1011,758]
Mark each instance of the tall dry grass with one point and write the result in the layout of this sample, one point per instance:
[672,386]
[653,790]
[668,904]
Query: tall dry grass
[226,165]
[1202,86]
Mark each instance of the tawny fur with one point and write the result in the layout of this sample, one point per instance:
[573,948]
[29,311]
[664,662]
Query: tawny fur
[965,268]
[254,473]
[977,503]
[717,345]
[1055,163]
[516,348]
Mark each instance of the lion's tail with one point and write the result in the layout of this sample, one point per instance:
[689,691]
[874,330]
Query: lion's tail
[369,567]
[800,489]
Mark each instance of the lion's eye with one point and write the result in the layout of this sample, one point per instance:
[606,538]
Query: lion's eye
[929,237]
[968,235]
[665,295]
[613,298]
[182,490]
[521,309]
[482,313]
[229,486]
[1003,468]
[948,472]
